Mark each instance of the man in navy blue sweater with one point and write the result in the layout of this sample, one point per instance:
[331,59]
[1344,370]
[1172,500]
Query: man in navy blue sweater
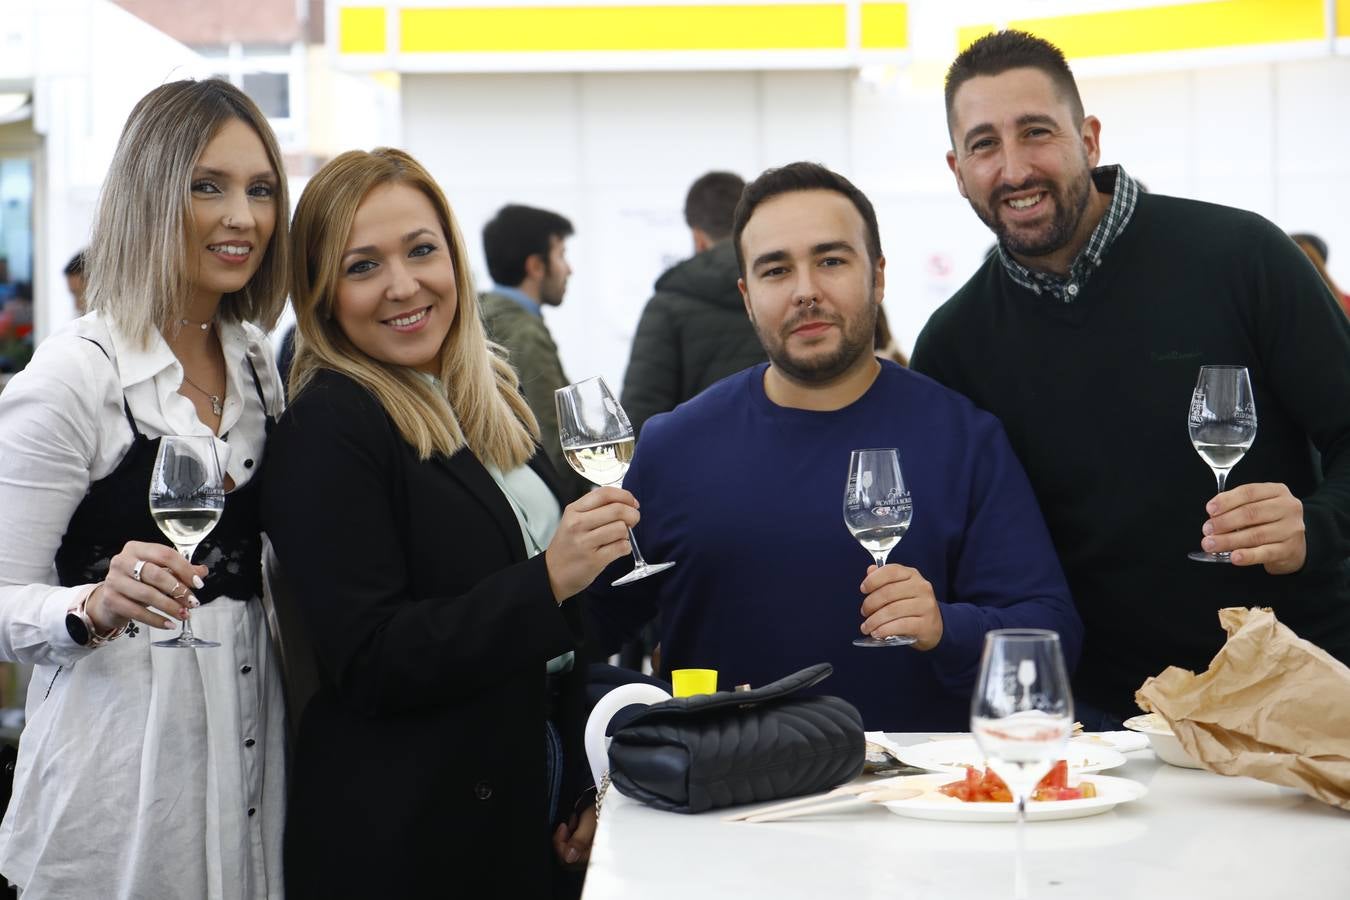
[743,488]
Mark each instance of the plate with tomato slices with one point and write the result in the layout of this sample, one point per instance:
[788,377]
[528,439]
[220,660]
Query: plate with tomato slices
[981,796]
[958,754]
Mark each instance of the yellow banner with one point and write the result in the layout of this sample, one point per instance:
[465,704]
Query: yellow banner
[1182,26]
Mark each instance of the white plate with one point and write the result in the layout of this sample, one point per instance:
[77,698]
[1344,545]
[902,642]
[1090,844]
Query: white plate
[932,805]
[955,755]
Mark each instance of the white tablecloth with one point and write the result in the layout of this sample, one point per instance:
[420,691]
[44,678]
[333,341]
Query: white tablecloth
[1195,835]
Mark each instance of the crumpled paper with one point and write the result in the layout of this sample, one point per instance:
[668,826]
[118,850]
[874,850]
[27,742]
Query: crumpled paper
[1272,706]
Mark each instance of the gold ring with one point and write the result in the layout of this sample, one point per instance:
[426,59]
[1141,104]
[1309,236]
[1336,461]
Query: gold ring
[176,588]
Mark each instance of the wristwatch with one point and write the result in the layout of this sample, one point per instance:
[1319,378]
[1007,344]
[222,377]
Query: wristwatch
[81,627]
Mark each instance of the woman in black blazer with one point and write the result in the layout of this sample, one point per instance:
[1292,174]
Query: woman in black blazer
[420,532]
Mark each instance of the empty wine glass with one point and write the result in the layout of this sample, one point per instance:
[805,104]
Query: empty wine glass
[1021,715]
[1223,425]
[187,497]
[877,511]
[597,440]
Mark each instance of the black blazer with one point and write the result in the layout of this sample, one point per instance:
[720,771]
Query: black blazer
[419,768]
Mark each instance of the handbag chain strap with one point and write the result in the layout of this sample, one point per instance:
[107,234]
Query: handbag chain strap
[600,793]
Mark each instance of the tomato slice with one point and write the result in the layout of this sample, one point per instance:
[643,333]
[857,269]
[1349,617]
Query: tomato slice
[987,787]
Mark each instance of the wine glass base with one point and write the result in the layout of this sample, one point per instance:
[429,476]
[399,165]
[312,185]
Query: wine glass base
[641,572]
[1202,556]
[182,643]
[893,641]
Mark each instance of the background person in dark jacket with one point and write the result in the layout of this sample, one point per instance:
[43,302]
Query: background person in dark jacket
[694,330]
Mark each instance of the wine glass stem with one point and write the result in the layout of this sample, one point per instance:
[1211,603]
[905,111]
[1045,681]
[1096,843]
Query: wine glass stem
[1020,866]
[1221,476]
[880,559]
[186,634]
[638,561]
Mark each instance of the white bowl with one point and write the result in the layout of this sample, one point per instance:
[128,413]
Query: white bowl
[1163,741]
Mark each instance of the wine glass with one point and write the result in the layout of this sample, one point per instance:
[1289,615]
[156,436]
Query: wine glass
[187,497]
[1021,715]
[1223,425]
[877,510]
[597,440]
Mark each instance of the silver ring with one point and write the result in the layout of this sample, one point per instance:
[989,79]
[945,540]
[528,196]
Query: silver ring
[136,569]
[176,588]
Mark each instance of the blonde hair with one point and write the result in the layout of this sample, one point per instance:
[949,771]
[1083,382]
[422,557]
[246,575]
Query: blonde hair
[479,404]
[137,262]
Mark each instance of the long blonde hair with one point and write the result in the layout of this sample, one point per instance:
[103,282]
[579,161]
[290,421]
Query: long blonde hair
[481,405]
[137,262]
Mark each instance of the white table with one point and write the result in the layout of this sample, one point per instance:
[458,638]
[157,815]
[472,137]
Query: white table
[1195,835]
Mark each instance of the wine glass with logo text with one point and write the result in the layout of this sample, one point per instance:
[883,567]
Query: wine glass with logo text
[877,511]
[187,498]
[1222,423]
[597,440]
[1021,715]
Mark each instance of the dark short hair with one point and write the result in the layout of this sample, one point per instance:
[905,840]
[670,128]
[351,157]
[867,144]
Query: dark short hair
[996,53]
[76,265]
[515,234]
[710,205]
[802,176]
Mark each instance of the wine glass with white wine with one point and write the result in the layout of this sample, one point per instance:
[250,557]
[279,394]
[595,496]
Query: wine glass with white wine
[1021,715]
[1222,423]
[597,440]
[187,498]
[877,511]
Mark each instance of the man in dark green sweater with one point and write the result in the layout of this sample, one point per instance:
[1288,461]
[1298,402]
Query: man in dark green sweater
[1084,333]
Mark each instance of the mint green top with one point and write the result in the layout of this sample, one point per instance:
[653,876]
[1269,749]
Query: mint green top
[538,513]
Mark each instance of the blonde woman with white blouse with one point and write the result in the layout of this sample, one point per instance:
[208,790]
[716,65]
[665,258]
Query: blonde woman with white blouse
[150,772]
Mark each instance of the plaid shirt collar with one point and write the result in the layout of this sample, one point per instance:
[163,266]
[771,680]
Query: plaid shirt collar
[1124,192]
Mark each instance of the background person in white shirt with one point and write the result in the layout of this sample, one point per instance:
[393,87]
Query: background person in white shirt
[149,772]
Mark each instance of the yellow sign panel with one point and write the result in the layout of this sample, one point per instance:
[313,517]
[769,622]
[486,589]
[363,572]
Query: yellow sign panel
[579,28]
[361,29]
[1186,26]
[885,26]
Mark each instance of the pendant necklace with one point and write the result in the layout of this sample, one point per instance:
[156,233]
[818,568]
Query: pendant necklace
[216,408]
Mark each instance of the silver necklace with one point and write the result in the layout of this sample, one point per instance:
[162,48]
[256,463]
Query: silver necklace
[183,323]
[216,408]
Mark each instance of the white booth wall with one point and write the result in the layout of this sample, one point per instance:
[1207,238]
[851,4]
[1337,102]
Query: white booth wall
[615,153]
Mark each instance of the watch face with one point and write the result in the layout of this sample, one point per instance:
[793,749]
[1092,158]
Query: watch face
[78,632]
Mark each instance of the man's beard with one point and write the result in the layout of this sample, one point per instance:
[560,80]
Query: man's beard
[1069,208]
[856,340]
[551,289]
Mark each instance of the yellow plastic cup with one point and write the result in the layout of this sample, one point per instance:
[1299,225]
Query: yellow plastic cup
[689,682]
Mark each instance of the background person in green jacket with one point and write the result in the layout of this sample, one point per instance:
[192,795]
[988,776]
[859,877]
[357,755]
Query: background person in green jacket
[694,330]
[1084,333]
[526,251]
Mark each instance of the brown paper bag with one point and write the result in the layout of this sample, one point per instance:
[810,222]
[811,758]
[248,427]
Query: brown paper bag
[1271,706]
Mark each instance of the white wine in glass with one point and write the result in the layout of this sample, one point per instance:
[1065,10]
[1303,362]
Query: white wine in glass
[1021,715]
[877,511]
[1222,423]
[597,440]
[187,498]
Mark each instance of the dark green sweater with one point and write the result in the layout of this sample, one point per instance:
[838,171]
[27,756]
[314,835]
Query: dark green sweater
[1094,396]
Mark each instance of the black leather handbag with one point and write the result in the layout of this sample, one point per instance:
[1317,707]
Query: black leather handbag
[732,747]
